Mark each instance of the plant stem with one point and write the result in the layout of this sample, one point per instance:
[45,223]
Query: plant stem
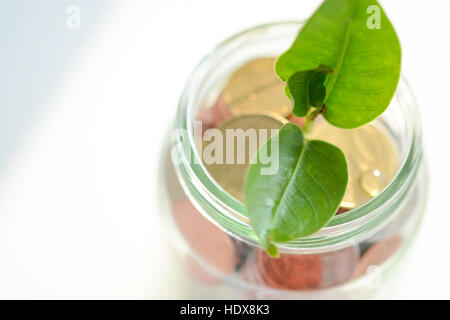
[310,117]
[307,125]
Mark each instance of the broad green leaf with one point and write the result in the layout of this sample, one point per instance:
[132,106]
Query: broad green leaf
[343,34]
[306,89]
[302,196]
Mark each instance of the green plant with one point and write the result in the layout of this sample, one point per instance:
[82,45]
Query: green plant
[346,68]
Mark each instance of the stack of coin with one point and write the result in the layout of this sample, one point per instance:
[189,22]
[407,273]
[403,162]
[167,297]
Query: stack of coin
[254,98]
[255,88]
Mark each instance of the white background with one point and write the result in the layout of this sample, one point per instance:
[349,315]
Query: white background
[84,113]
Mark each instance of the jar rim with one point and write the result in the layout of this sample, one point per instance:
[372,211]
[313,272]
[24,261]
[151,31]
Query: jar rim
[229,214]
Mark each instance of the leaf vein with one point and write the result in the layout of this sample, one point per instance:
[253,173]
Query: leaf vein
[331,175]
[341,55]
[314,210]
[374,91]
[330,202]
[283,193]
[367,73]
[302,54]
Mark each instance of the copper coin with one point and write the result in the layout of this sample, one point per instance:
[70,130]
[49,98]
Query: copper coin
[338,266]
[377,254]
[209,242]
[342,210]
[297,120]
[243,250]
[289,271]
[221,113]
[199,273]
[208,118]
[250,274]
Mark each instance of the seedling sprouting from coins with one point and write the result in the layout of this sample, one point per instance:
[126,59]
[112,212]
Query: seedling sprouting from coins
[348,73]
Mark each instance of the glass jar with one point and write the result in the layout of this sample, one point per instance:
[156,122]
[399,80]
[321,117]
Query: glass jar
[352,257]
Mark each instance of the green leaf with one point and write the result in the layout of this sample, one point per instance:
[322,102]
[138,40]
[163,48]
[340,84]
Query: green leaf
[302,196]
[306,89]
[365,61]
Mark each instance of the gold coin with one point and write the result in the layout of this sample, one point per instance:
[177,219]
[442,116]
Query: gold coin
[256,88]
[371,157]
[227,160]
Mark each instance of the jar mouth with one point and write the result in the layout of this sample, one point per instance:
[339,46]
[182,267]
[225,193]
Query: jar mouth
[230,214]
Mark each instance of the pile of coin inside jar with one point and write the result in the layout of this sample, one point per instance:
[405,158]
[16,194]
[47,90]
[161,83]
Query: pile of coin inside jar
[254,97]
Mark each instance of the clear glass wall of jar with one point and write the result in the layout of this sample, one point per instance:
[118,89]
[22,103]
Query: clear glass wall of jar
[353,257]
